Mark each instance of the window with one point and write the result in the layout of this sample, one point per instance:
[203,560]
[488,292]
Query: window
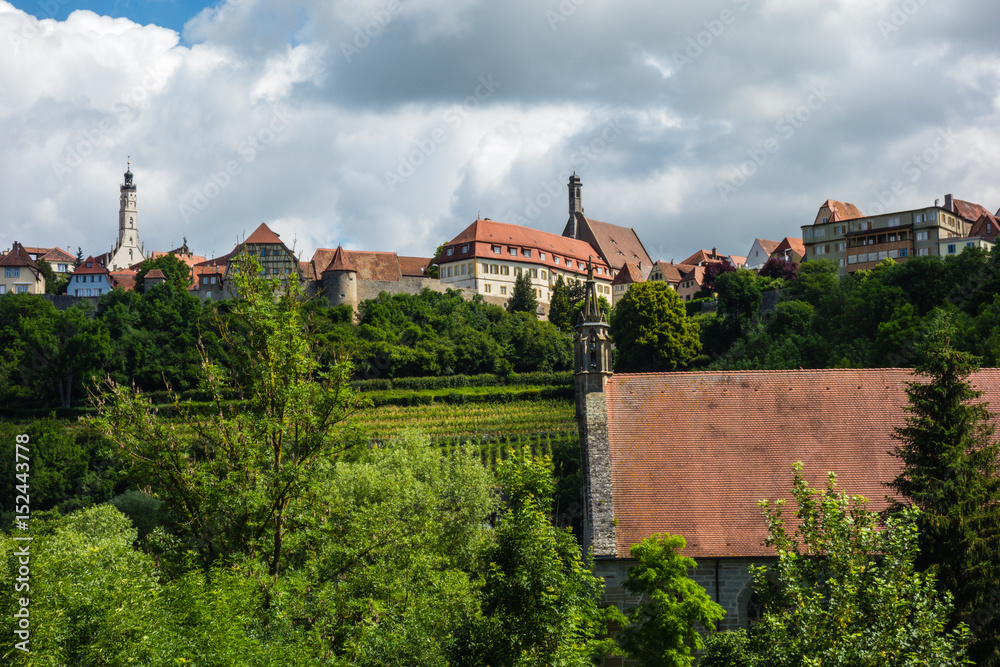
[465,248]
[513,252]
[841,246]
[90,265]
[923,252]
[903,252]
[852,259]
[883,254]
[543,275]
[842,261]
[463,269]
[486,267]
[526,253]
[819,250]
[951,248]
[837,229]
[63,268]
[863,226]
[487,288]
[825,220]
[494,268]
[893,222]
[556,259]
[921,236]
[20,289]
[6,273]
[504,270]
[503,289]
[932,215]
[449,273]
[517,270]
[3,289]
[449,252]
[820,233]
[807,233]
[920,217]
[263,253]
[541,255]
[496,250]
[580,264]
[534,273]
[969,244]
[873,257]
[893,254]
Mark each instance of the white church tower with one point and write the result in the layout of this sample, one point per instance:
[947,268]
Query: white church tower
[128,250]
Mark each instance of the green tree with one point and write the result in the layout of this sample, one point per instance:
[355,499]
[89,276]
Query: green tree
[662,628]
[177,272]
[78,260]
[739,297]
[522,297]
[539,601]
[652,331]
[816,279]
[951,472]
[433,270]
[560,310]
[234,475]
[54,282]
[848,594]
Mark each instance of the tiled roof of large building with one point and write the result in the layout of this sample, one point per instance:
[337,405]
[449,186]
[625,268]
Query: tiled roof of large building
[414,266]
[968,210]
[702,256]
[768,246]
[627,275]
[263,235]
[985,227]
[94,268]
[58,256]
[692,453]
[793,244]
[839,211]
[483,236]
[617,245]
[18,256]
[369,265]
[126,278]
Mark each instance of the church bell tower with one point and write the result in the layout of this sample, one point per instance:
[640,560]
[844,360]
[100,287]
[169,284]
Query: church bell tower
[128,250]
[591,370]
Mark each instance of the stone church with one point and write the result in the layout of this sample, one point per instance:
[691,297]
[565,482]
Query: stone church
[128,250]
[692,453]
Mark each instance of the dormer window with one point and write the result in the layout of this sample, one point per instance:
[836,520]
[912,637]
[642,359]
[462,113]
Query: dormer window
[465,248]
[449,252]
[527,253]
[513,252]
[90,265]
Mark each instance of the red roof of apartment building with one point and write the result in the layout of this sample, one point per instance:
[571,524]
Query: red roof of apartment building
[839,211]
[18,256]
[615,244]
[485,237]
[627,275]
[673,273]
[693,453]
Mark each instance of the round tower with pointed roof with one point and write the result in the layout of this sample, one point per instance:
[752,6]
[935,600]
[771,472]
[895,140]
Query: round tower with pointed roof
[340,281]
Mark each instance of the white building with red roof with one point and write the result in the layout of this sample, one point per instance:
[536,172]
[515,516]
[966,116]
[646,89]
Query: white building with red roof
[90,279]
[19,273]
[487,256]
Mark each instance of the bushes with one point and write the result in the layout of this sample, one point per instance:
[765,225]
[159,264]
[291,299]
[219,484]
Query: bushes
[537,379]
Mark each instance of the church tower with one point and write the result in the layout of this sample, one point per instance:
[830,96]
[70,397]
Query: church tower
[591,370]
[128,250]
[575,207]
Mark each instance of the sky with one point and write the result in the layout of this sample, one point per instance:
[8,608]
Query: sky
[393,124]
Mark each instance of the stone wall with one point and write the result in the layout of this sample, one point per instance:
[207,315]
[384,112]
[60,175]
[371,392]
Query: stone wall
[65,301]
[370,289]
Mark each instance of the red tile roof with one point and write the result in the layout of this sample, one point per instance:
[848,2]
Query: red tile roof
[156,273]
[615,244]
[793,244]
[414,266]
[985,227]
[95,267]
[692,453]
[263,235]
[18,256]
[340,262]
[768,246]
[738,260]
[126,279]
[58,256]
[672,273]
[968,210]
[482,235]
[839,211]
[627,275]
[369,265]
[702,256]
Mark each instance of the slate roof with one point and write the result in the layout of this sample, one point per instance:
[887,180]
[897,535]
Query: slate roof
[18,256]
[615,244]
[692,453]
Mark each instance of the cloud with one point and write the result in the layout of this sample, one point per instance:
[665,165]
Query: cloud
[392,124]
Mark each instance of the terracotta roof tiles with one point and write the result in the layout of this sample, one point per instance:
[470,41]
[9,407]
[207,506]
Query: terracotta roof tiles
[627,275]
[968,210]
[414,266]
[616,244]
[263,235]
[692,453]
[58,256]
[673,273]
[18,256]
[839,211]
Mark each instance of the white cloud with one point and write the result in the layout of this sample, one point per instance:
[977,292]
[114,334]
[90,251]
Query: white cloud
[256,114]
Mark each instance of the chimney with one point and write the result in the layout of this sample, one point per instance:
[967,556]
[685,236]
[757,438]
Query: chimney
[949,204]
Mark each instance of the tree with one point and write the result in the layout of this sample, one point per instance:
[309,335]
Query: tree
[233,476]
[178,273]
[79,258]
[778,267]
[951,472]
[848,594]
[560,309]
[662,628]
[433,271]
[522,297]
[739,297]
[816,280]
[712,271]
[54,283]
[652,331]
[539,601]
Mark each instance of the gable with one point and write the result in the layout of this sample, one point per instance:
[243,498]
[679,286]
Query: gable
[693,453]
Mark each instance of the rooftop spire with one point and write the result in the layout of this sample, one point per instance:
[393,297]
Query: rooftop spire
[591,306]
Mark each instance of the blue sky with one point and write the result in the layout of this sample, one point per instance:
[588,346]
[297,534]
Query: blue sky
[171,14]
[392,124]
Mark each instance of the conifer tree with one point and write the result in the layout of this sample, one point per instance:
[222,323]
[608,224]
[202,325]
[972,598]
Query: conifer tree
[522,298]
[560,309]
[951,462]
